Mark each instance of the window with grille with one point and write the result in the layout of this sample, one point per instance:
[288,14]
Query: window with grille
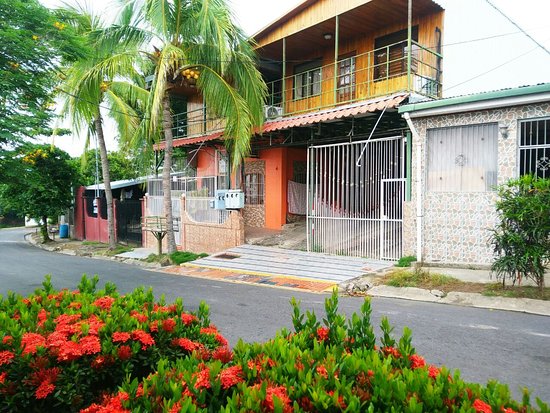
[307,80]
[254,189]
[463,158]
[346,79]
[390,54]
[534,147]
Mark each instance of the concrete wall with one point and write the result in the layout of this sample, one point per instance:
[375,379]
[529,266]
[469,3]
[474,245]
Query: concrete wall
[456,225]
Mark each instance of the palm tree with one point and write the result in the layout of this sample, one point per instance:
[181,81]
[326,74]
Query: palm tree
[199,35]
[84,91]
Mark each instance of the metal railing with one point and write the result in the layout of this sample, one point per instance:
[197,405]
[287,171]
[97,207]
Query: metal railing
[378,72]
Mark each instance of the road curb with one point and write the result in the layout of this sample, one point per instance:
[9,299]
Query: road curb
[522,305]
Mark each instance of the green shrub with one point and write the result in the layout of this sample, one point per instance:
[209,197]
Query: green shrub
[60,351]
[179,257]
[406,261]
[328,366]
[521,240]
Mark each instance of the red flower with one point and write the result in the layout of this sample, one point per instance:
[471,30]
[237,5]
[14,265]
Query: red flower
[30,342]
[142,318]
[340,402]
[7,340]
[417,361]
[322,333]
[280,393]
[507,410]
[69,351]
[3,377]
[76,305]
[481,407]
[144,338]
[6,357]
[176,408]
[44,390]
[322,371]
[188,319]
[221,340]
[433,371]
[186,344]
[124,352]
[231,376]
[102,361]
[223,354]
[104,303]
[42,317]
[154,326]
[391,351]
[203,379]
[121,337]
[168,325]
[209,330]
[90,345]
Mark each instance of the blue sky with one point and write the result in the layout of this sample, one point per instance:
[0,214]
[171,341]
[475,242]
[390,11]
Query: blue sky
[504,58]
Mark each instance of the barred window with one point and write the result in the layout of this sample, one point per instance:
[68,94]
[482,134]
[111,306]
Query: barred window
[254,189]
[534,147]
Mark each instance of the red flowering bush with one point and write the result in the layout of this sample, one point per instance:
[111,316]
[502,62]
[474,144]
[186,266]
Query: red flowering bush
[330,368]
[61,350]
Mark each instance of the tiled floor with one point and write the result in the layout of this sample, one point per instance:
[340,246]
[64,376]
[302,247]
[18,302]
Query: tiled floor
[280,268]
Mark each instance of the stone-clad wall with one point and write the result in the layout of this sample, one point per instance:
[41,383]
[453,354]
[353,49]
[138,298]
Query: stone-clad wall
[456,225]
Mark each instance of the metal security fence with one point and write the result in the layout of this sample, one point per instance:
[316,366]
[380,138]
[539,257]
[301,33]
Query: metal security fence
[355,198]
[534,147]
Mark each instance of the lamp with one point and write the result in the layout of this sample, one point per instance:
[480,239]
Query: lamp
[327,36]
[503,131]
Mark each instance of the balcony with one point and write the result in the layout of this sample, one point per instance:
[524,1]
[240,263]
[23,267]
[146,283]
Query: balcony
[372,74]
[383,71]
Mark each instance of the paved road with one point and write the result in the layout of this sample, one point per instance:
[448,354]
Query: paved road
[483,344]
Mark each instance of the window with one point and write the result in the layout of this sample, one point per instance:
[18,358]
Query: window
[254,189]
[390,54]
[346,79]
[307,80]
[534,147]
[462,159]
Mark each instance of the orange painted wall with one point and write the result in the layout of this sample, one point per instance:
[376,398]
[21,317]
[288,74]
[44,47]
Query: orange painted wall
[278,171]
[206,165]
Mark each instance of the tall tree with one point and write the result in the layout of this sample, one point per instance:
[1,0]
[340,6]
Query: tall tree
[37,181]
[197,35]
[84,91]
[34,42]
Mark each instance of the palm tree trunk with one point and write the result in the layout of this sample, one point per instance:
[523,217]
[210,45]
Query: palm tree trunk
[166,169]
[106,179]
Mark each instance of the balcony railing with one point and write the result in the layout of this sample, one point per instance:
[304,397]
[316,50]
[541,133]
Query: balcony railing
[375,73]
[379,72]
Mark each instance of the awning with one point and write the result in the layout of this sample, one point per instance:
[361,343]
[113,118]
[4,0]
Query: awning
[340,112]
[345,111]
[124,183]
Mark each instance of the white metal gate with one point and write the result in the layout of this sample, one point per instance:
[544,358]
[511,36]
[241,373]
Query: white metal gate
[355,198]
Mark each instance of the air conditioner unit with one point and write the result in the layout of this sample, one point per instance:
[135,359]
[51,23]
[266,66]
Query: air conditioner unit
[272,112]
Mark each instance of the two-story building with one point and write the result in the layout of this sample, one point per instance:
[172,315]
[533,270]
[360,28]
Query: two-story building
[333,150]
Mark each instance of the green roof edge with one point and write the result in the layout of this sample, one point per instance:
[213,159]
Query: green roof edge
[478,97]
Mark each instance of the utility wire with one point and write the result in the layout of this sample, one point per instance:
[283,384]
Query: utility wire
[517,25]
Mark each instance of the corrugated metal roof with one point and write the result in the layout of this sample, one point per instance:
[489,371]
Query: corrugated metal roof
[310,118]
[124,183]
[335,113]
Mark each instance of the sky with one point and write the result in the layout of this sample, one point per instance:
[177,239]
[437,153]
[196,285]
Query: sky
[482,50]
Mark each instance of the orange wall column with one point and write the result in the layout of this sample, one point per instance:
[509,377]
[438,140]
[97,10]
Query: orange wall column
[275,187]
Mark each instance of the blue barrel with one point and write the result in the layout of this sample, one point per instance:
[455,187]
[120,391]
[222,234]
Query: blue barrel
[64,231]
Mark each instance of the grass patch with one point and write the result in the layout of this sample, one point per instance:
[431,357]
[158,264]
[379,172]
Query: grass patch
[496,290]
[406,261]
[422,279]
[179,257]
[120,249]
[94,243]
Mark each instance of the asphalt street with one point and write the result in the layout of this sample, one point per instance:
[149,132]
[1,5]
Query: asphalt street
[511,347]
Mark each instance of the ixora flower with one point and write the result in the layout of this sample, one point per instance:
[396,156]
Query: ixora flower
[104,302]
[231,376]
[417,361]
[188,319]
[31,341]
[322,333]
[6,357]
[481,406]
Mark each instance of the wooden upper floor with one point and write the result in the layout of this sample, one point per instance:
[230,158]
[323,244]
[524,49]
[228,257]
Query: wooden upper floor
[326,53]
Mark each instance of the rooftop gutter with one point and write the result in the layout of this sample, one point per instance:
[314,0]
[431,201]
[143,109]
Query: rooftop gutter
[481,101]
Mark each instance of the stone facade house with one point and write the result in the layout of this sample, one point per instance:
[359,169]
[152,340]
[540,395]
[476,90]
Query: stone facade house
[462,148]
